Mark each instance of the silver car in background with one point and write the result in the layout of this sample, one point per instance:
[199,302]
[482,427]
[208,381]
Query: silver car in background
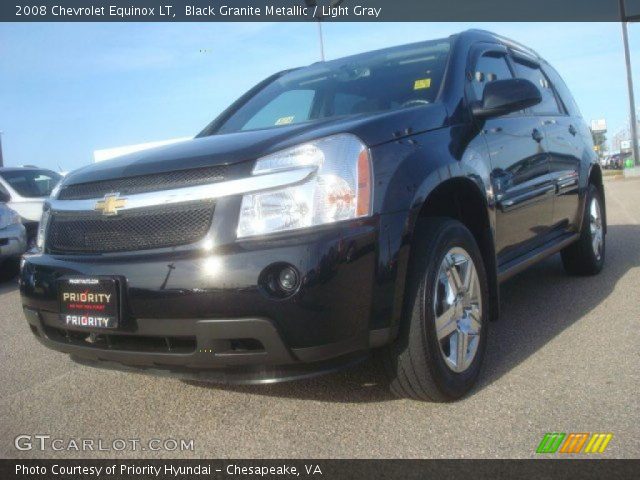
[13,241]
[24,190]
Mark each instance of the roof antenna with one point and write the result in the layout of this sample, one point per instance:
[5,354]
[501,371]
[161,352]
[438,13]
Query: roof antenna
[318,17]
[319,22]
[1,158]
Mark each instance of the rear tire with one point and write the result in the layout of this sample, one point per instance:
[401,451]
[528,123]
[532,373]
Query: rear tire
[586,256]
[428,363]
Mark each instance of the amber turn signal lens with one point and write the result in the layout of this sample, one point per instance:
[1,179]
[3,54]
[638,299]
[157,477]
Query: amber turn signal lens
[364,184]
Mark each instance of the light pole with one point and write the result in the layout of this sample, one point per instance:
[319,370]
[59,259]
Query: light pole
[632,102]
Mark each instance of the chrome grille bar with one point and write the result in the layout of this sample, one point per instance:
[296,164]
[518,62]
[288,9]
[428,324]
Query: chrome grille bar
[195,193]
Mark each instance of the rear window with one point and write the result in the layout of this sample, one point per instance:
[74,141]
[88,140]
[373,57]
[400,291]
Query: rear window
[372,82]
[31,183]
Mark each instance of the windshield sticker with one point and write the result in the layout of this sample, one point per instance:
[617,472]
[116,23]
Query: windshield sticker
[422,83]
[285,120]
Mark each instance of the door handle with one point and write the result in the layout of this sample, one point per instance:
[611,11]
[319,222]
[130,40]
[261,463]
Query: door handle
[537,135]
[572,130]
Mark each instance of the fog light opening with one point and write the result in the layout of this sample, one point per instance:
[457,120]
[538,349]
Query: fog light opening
[288,279]
[280,280]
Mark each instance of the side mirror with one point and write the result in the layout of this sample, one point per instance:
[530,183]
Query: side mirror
[4,197]
[505,96]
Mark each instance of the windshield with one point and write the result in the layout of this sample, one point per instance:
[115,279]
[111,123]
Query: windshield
[31,183]
[389,79]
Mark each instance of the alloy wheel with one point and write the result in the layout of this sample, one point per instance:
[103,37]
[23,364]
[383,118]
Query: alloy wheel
[457,305]
[595,224]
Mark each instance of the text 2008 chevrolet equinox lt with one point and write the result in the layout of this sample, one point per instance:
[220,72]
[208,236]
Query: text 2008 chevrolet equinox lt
[374,201]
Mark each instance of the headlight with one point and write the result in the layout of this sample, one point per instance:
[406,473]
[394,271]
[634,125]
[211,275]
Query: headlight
[8,217]
[42,227]
[340,189]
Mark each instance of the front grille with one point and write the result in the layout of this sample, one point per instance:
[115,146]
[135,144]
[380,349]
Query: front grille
[144,183]
[130,343]
[144,229]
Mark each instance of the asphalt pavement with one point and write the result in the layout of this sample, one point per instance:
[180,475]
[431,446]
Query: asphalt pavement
[564,357]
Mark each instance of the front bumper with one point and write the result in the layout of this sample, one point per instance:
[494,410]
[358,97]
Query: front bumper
[207,316]
[13,241]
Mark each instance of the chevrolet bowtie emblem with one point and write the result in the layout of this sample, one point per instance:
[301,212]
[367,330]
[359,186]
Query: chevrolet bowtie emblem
[110,204]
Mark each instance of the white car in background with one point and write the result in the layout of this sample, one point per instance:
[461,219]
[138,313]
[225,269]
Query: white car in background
[24,189]
[13,241]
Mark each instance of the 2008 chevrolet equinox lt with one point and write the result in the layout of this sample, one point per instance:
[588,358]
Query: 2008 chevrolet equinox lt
[371,202]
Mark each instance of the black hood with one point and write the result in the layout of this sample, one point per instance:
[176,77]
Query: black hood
[237,147]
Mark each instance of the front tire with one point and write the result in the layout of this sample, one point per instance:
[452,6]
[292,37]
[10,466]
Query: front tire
[586,256]
[438,354]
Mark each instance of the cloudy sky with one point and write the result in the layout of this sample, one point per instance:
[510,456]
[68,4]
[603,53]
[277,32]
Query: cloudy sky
[69,89]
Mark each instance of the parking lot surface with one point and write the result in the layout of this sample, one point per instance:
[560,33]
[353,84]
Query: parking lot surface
[564,357]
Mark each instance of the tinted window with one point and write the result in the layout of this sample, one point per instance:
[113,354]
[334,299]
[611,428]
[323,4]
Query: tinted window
[379,81]
[293,106]
[488,69]
[346,103]
[31,183]
[568,100]
[549,104]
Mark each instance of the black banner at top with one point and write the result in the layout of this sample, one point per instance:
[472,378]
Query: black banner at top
[308,10]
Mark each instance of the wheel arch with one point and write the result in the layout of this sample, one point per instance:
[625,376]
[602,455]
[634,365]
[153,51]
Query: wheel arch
[595,179]
[462,199]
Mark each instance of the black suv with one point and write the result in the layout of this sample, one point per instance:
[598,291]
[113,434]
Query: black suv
[372,201]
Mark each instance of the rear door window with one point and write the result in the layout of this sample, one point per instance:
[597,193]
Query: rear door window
[562,89]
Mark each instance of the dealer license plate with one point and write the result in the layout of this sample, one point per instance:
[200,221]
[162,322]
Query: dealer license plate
[87,302]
